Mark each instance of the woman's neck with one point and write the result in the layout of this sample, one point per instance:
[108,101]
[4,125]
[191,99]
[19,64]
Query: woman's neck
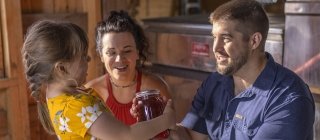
[124,83]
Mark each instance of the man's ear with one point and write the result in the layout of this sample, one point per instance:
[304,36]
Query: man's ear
[255,40]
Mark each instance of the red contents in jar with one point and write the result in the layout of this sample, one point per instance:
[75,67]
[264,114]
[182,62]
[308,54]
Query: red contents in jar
[152,106]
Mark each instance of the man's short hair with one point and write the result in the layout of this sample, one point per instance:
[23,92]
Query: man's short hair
[248,13]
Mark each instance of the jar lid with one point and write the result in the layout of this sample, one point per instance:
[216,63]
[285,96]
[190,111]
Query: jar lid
[147,93]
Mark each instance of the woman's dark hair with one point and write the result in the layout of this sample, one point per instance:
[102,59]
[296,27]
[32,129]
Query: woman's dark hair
[121,22]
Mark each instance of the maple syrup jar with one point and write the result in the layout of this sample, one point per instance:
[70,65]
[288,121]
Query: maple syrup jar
[152,106]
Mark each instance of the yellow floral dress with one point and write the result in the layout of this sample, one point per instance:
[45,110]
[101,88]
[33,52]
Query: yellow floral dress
[72,115]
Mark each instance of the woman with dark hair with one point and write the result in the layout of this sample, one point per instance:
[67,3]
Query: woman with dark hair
[123,49]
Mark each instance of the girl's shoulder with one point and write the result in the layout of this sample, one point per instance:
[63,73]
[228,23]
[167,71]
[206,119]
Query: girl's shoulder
[86,96]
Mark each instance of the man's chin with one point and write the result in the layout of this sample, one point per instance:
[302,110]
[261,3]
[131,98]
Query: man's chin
[224,71]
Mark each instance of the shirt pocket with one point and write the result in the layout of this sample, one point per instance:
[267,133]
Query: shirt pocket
[246,126]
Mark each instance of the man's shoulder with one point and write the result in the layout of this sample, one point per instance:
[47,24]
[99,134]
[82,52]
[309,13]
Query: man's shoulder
[290,83]
[287,77]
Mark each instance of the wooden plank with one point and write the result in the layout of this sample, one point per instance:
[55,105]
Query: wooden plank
[47,6]
[12,38]
[1,55]
[17,102]
[6,137]
[60,6]
[94,16]
[5,83]
[26,6]
[84,6]
[3,99]
[19,120]
[3,114]
[3,125]
[75,6]
[108,5]
[122,5]
[36,6]
[78,18]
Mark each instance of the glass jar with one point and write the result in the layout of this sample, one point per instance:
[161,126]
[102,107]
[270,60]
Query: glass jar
[152,106]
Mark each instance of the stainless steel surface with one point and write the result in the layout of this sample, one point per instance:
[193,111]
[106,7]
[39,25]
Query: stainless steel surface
[186,41]
[184,51]
[195,24]
[302,52]
[302,8]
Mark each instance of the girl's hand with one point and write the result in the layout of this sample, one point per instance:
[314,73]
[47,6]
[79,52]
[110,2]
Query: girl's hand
[134,108]
[169,110]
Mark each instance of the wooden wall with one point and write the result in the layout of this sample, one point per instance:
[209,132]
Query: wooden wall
[14,124]
[141,9]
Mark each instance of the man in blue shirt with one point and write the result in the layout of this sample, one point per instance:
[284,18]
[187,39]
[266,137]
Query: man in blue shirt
[250,96]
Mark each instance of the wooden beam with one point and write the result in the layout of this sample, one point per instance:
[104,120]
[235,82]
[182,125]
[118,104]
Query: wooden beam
[19,119]
[17,95]
[5,83]
[1,54]
[3,125]
[93,8]
[77,18]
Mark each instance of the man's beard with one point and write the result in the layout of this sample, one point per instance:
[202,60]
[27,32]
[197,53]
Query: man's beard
[234,65]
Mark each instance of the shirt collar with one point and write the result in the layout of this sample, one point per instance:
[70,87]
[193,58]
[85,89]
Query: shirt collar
[265,80]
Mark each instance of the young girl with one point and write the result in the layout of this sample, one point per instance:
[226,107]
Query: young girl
[56,61]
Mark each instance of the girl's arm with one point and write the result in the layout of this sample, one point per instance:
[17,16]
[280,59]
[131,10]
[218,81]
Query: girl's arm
[108,127]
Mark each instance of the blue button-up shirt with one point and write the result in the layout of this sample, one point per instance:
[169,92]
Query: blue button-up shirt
[278,106]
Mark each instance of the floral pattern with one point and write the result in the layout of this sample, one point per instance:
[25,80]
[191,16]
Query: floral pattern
[72,115]
[89,114]
[64,125]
